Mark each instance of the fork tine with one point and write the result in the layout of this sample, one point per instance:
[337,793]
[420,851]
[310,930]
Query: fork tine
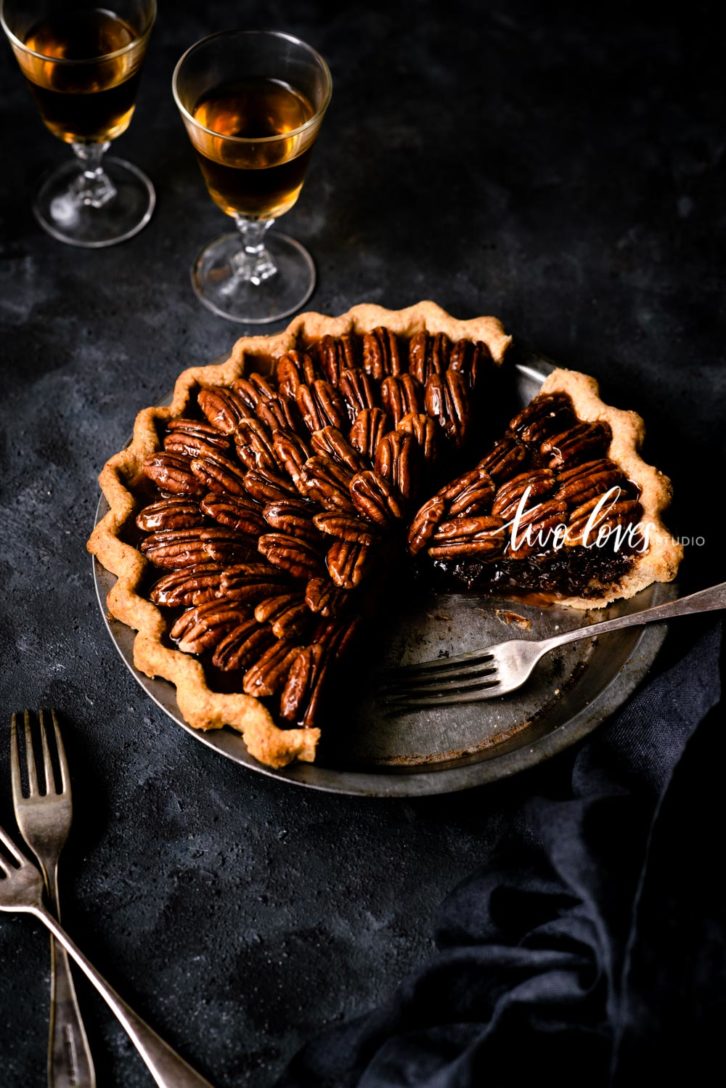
[479,683]
[477,695]
[440,665]
[11,848]
[61,752]
[48,771]
[426,680]
[17,785]
[30,757]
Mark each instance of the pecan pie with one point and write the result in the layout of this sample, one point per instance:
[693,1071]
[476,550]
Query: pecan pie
[256,520]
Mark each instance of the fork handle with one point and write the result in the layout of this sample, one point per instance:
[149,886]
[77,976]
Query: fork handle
[706,600]
[164,1064]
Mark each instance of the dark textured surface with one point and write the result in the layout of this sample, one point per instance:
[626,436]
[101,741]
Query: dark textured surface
[564,172]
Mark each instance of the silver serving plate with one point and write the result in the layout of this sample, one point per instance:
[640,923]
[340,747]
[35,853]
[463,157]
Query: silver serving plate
[443,750]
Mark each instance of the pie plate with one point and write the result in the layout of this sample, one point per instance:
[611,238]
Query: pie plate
[371,753]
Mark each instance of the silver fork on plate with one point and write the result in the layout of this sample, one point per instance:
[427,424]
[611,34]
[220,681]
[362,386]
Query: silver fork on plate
[21,890]
[44,819]
[496,670]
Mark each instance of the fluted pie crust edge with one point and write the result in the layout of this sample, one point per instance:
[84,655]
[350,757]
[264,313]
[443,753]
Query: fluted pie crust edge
[201,707]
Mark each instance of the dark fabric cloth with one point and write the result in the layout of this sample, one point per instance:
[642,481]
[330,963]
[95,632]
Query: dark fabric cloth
[591,947]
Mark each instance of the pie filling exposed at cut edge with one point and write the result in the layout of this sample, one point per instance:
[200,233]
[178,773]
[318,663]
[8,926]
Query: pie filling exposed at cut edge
[254,522]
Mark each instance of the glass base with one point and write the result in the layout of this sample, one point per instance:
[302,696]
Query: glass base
[222,288]
[118,212]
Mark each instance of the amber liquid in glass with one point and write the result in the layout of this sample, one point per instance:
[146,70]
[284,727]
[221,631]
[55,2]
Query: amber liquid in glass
[87,102]
[258,180]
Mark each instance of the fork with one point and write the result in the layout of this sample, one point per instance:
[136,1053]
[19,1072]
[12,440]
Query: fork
[44,820]
[496,670]
[21,891]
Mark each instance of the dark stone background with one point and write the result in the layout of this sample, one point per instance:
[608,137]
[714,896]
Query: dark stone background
[560,167]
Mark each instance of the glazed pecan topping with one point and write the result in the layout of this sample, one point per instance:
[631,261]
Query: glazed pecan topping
[475,499]
[447,401]
[320,405]
[172,472]
[291,452]
[252,582]
[504,459]
[425,523]
[472,360]
[278,414]
[588,480]
[253,443]
[547,414]
[266,487]
[424,432]
[345,527]
[290,554]
[220,473]
[269,672]
[292,516]
[358,391]
[177,512]
[203,626]
[400,396]
[536,527]
[190,586]
[294,368]
[374,498]
[336,355]
[175,548]
[330,442]
[304,673]
[346,563]
[190,437]
[323,597]
[235,513]
[367,431]
[223,408]
[540,481]
[619,513]
[287,614]
[578,444]
[468,537]
[242,645]
[247,394]
[428,355]
[380,354]
[468,529]
[396,462]
[334,638]
[326,482]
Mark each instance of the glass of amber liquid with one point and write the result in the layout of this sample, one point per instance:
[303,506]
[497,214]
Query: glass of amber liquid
[252,103]
[82,63]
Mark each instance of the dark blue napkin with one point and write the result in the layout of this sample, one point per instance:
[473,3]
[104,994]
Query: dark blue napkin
[591,947]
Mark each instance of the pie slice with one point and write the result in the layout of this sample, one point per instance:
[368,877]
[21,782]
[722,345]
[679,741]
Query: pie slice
[257,520]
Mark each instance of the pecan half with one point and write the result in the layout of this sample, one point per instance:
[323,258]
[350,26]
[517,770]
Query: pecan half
[253,582]
[474,499]
[471,359]
[175,548]
[330,442]
[269,672]
[190,586]
[291,452]
[326,482]
[292,516]
[424,432]
[536,528]
[205,625]
[622,512]
[504,459]
[323,597]
[345,527]
[287,615]
[242,645]
[220,473]
[346,562]
[278,414]
[301,681]
[547,414]
[253,443]
[540,481]
[172,472]
[358,391]
[380,353]
[428,355]
[192,437]
[240,514]
[425,523]
[400,395]
[287,552]
[589,480]
[336,354]
[335,638]
[294,368]
[367,431]
[484,528]
[320,405]
[579,443]
[177,512]
[374,498]
[396,461]
[223,408]
[447,401]
[265,487]
[247,395]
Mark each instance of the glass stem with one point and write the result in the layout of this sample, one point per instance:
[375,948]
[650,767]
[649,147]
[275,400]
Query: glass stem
[92,188]
[253,263]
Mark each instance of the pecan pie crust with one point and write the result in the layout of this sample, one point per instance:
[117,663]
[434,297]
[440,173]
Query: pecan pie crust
[223,489]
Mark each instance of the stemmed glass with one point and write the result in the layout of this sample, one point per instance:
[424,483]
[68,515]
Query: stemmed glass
[252,103]
[82,63]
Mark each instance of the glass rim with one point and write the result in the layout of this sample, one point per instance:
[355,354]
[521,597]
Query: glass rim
[310,123]
[16,41]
